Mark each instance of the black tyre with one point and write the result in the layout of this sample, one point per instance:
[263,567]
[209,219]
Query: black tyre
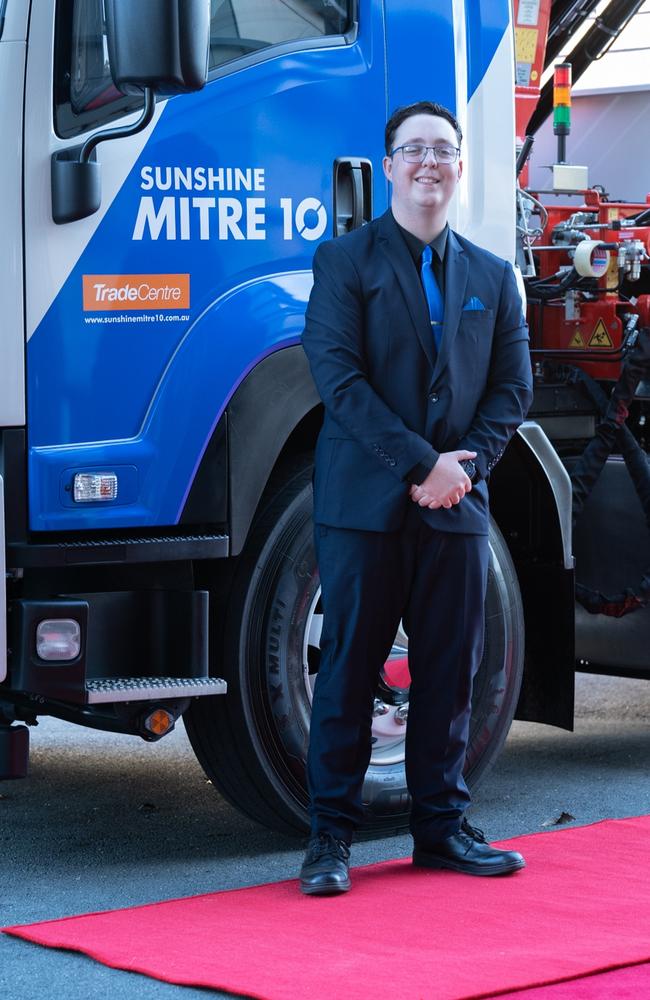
[252,742]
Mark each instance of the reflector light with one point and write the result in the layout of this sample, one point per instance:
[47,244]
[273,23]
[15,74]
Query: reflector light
[58,639]
[159,722]
[94,486]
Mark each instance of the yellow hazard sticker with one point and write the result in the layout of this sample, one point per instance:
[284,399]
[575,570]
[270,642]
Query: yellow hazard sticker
[612,214]
[526,44]
[600,337]
[611,280]
[577,340]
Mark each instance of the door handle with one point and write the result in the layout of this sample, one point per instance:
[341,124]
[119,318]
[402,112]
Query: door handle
[352,193]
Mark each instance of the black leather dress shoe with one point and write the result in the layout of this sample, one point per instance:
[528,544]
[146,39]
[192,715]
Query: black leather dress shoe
[325,868]
[467,851]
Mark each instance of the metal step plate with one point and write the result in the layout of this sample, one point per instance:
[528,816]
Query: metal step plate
[119,550]
[151,688]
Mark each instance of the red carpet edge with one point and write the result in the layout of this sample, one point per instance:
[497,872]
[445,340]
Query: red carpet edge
[562,919]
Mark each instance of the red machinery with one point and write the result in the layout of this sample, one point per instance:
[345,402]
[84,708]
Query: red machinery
[587,277]
[587,263]
[582,264]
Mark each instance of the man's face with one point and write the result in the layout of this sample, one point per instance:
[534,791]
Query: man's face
[419,187]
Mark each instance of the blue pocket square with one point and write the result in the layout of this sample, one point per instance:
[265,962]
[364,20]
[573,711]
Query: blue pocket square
[473,305]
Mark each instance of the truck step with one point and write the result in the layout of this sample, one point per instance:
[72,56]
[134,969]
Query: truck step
[119,550]
[151,688]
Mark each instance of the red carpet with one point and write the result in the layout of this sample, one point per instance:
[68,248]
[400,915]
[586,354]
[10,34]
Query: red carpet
[630,983]
[581,906]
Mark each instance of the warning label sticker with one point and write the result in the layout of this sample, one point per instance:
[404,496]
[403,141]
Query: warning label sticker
[577,340]
[523,74]
[612,273]
[525,44]
[528,12]
[600,337]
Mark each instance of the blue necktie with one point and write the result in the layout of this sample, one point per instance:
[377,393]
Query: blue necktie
[434,298]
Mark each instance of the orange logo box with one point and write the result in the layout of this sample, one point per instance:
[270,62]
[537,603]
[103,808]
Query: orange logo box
[135,291]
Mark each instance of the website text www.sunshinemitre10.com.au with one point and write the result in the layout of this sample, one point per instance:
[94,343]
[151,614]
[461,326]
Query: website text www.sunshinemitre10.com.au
[146,318]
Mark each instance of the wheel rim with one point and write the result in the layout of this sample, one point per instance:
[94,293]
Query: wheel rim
[390,712]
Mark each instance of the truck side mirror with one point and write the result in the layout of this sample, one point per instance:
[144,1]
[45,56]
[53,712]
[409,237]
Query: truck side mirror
[161,44]
[154,47]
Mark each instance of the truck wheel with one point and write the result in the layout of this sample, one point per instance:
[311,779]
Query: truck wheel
[252,742]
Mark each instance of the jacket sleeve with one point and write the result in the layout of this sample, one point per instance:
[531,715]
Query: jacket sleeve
[509,390]
[333,341]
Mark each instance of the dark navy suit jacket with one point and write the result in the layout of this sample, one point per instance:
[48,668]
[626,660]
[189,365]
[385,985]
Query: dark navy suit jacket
[390,403]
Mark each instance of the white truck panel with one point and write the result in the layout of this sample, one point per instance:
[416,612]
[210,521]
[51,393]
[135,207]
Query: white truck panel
[12,340]
[16,21]
[487,203]
[53,251]
[3,589]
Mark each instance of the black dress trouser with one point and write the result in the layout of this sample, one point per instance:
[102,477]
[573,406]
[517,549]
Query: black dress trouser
[435,582]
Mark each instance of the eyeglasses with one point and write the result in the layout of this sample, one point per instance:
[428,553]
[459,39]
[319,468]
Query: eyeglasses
[417,153]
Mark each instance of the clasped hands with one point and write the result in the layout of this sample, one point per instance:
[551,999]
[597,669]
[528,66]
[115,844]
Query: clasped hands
[446,484]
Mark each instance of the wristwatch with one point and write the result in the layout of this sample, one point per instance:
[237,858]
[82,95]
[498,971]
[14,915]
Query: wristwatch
[469,469]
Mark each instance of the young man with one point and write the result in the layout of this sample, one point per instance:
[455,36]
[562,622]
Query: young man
[419,350]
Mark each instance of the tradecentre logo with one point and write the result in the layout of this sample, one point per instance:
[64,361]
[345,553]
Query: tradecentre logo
[135,291]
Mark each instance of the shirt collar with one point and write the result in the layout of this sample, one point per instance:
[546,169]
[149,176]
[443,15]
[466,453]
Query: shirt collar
[416,245]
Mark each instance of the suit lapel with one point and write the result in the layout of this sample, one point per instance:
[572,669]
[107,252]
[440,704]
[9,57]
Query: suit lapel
[392,243]
[456,273]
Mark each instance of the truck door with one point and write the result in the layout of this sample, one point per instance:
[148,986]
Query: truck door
[143,317]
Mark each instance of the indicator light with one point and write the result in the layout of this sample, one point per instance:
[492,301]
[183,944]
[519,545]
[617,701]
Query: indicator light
[562,75]
[562,107]
[92,486]
[561,95]
[58,639]
[561,118]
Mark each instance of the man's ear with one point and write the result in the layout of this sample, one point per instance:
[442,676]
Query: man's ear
[460,169]
[387,164]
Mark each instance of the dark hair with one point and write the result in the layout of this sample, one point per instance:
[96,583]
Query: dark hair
[421,108]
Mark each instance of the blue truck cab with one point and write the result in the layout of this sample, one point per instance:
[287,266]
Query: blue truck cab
[169,170]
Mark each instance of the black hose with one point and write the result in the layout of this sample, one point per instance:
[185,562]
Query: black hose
[612,432]
[524,153]
[543,292]
[642,219]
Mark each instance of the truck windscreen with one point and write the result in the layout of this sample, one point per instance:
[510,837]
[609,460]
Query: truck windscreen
[239,27]
[85,96]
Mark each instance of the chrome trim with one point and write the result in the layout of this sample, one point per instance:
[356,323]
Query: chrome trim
[558,479]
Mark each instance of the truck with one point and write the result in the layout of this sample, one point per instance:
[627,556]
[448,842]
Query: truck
[169,168]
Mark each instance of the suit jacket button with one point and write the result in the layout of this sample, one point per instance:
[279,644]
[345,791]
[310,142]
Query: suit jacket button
[434,397]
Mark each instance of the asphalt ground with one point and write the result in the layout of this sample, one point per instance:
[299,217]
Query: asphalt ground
[106,821]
